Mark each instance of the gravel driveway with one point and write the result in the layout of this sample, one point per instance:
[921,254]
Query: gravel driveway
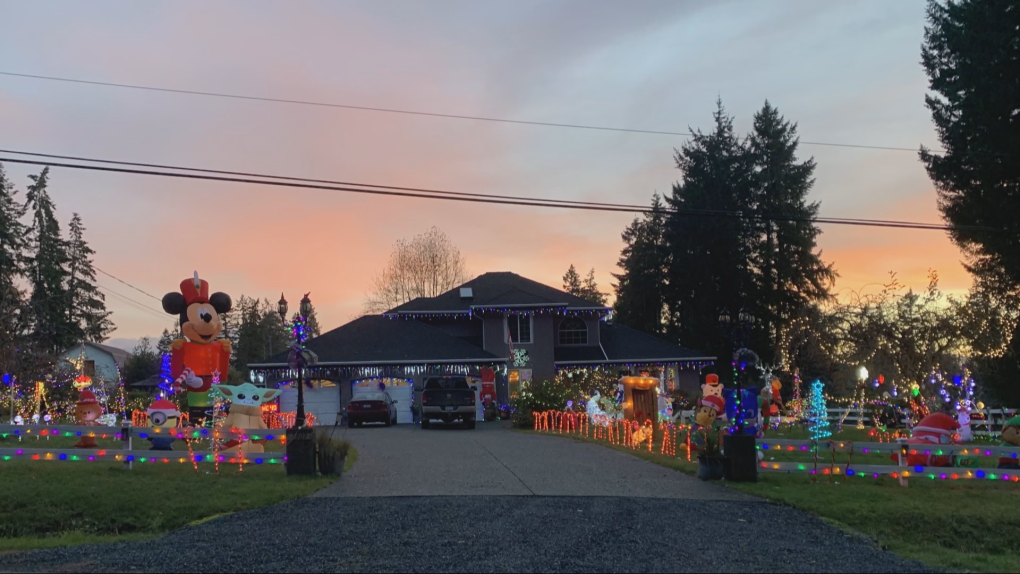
[505,501]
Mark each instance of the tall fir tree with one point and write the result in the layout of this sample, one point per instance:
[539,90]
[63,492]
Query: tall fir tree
[572,281]
[166,340]
[46,269]
[972,58]
[640,288]
[87,312]
[791,274]
[12,298]
[710,258]
[590,289]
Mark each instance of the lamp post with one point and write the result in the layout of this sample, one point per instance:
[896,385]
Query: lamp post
[300,443]
[742,461]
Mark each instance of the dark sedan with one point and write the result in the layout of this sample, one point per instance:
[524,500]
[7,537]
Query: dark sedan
[371,408]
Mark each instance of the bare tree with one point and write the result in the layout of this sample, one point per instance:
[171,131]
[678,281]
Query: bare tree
[427,265]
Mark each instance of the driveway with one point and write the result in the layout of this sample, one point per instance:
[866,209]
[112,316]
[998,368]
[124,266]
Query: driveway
[493,500]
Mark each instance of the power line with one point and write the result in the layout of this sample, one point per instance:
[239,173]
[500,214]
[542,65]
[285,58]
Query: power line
[126,283]
[626,207]
[521,202]
[376,186]
[421,113]
[135,304]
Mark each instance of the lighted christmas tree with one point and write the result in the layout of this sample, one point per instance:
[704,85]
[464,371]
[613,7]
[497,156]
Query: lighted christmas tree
[818,416]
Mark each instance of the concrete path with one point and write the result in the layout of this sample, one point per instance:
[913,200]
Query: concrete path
[492,460]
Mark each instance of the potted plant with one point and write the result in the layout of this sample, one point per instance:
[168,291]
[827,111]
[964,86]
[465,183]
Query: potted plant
[711,462]
[331,453]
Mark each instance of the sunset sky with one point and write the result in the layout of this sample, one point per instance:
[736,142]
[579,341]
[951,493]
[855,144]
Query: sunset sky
[846,72]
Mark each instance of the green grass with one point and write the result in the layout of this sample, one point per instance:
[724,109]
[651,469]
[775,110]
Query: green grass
[60,503]
[967,525]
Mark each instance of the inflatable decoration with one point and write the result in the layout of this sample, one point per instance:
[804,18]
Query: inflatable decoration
[246,413]
[777,398]
[709,410]
[1010,437]
[933,431]
[966,434]
[765,407]
[86,412]
[196,358]
[164,415]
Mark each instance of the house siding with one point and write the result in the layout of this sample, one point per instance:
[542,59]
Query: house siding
[106,367]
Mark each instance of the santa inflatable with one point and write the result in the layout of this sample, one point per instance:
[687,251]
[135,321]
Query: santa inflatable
[930,436]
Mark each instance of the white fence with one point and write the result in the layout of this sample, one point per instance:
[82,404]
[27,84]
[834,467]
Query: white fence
[982,422]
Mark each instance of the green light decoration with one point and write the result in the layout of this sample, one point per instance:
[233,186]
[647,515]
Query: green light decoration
[818,416]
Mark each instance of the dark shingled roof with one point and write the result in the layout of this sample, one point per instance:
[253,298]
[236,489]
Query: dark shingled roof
[377,339]
[496,289]
[622,343]
[574,354]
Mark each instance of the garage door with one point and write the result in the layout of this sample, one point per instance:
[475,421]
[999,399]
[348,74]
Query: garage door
[322,401]
[398,389]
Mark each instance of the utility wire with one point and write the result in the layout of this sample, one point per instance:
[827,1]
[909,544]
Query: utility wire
[421,113]
[126,283]
[522,202]
[567,203]
[134,304]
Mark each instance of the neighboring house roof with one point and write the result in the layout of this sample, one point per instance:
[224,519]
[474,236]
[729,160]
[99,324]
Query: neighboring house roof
[377,339]
[496,289]
[621,343]
[119,355]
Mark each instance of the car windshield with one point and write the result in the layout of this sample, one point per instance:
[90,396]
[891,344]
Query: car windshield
[370,397]
[446,383]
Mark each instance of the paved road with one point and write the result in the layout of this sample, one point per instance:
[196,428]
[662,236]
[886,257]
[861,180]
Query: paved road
[505,501]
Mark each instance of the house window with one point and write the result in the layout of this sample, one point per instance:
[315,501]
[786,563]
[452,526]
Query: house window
[519,327]
[573,331]
[89,369]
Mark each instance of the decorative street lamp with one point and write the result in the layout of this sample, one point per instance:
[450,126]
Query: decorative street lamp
[740,447]
[300,444]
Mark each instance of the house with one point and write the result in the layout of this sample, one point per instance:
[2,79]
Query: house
[521,328]
[99,362]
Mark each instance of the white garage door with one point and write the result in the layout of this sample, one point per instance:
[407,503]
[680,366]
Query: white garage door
[323,402]
[398,389]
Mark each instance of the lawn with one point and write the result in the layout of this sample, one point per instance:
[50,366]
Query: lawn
[960,525]
[62,503]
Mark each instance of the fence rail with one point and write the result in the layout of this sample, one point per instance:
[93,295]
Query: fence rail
[989,421]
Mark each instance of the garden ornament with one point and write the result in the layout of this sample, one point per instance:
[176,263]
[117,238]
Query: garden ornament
[86,411]
[164,415]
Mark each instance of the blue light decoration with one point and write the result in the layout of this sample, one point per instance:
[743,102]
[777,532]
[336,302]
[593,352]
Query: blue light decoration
[166,384]
[818,416]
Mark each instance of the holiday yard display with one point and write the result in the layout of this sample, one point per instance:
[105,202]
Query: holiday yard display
[1010,437]
[199,356]
[818,417]
[934,430]
[245,413]
[163,415]
[86,411]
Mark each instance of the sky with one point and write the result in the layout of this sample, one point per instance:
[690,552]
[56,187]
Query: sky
[845,72]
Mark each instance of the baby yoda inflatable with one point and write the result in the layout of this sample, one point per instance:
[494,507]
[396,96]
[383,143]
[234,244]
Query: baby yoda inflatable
[245,413]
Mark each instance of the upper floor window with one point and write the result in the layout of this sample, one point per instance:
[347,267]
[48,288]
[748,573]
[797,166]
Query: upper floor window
[519,327]
[573,331]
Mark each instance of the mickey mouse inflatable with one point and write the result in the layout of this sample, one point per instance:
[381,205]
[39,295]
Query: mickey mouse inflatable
[196,358]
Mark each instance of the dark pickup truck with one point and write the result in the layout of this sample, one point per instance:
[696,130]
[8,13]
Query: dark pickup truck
[447,399]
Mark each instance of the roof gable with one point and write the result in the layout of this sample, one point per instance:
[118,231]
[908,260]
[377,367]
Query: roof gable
[496,289]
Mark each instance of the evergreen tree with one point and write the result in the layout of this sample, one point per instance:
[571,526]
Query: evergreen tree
[590,289]
[710,263]
[791,274]
[142,363]
[972,58]
[640,289]
[312,324]
[12,246]
[165,341]
[572,281]
[46,269]
[87,312]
